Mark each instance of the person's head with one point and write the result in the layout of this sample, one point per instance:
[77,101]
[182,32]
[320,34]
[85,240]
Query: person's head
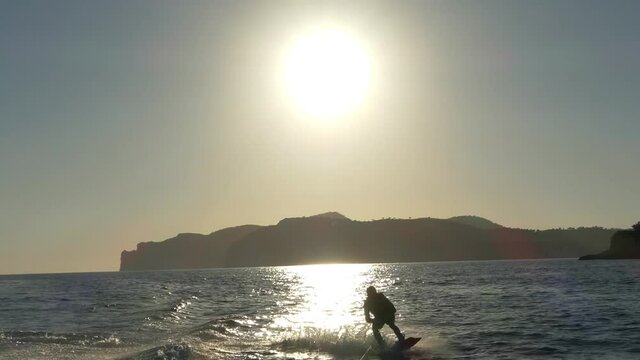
[371,291]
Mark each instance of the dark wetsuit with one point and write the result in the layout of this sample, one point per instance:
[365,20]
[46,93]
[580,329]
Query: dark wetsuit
[384,313]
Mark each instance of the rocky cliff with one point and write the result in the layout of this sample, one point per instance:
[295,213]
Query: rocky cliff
[625,244]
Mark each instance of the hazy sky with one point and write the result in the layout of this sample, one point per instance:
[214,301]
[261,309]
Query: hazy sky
[130,121]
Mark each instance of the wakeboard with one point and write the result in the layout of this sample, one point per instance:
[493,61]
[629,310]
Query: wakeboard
[404,345]
[399,349]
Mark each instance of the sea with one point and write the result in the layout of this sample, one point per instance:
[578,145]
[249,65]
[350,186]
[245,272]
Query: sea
[528,309]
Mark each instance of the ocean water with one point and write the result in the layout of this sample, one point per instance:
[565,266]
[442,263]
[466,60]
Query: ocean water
[541,309]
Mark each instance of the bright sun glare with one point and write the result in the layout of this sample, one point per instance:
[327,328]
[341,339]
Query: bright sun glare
[329,296]
[327,73]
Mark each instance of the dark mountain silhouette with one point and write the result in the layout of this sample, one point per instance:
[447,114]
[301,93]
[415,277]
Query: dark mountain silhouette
[185,251]
[476,221]
[625,244]
[331,215]
[333,238]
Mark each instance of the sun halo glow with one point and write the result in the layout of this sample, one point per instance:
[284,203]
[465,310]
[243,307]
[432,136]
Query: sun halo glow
[327,73]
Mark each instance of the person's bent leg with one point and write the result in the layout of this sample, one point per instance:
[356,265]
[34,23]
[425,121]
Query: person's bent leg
[396,330]
[375,327]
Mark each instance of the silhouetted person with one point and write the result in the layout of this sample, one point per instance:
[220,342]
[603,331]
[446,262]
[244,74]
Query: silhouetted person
[384,313]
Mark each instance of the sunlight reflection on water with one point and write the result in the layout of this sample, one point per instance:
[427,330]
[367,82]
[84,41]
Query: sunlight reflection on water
[327,296]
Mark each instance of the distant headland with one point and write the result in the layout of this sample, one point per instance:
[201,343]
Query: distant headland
[625,244]
[333,238]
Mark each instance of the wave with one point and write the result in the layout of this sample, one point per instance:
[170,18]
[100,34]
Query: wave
[345,343]
[222,338]
[42,337]
[341,343]
[164,352]
[227,337]
[236,338]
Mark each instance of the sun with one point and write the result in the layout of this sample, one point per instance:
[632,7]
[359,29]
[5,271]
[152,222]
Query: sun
[327,73]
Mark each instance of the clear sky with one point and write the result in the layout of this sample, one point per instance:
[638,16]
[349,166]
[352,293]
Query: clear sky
[130,121]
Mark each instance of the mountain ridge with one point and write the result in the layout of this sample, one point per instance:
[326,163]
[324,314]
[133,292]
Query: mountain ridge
[333,237]
[476,221]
